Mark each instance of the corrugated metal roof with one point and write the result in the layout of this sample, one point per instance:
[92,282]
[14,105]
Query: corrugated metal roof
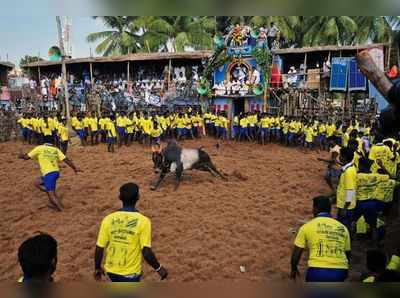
[130,57]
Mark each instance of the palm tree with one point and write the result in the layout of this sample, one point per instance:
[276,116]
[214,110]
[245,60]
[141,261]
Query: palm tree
[119,40]
[174,33]
[288,25]
[376,28]
[328,30]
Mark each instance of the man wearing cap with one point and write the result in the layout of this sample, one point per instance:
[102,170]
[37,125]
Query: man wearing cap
[328,243]
[125,236]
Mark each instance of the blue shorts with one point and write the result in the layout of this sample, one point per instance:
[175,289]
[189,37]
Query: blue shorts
[50,181]
[81,133]
[180,131]
[332,173]
[25,132]
[264,132]
[111,140]
[122,278]
[326,275]
[347,219]
[121,131]
[235,130]
[368,209]
[244,131]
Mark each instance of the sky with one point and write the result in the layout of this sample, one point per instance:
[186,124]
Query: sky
[20,36]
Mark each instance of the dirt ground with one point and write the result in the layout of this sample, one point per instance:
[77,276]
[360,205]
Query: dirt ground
[204,231]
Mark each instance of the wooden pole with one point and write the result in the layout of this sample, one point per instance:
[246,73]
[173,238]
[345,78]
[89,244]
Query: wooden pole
[128,72]
[38,74]
[91,74]
[169,73]
[64,70]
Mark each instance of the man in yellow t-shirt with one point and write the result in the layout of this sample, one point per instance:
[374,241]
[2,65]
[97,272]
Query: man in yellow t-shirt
[124,237]
[63,135]
[48,157]
[328,244]
[346,190]
[93,129]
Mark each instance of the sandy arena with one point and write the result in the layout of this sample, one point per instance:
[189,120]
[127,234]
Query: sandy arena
[205,230]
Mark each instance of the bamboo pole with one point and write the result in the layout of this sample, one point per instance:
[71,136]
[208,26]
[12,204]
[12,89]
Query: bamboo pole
[128,72]
[169,73]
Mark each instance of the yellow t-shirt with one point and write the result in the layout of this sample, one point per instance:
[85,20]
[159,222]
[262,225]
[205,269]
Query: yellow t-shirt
[385,190]
[23,122]
[330,130]
[265,123]
[93,124]
[347,181]
[243,122]
[379,152]
[155,133]
[102,123]
[367,185]
[46,129]
[74,120]
[327,240]
[180,123]
[111,131]
[86,122]
[310,134]
[48,157]
[124,234]
[63,132]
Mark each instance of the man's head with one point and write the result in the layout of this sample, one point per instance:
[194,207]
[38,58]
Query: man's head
[129,194]
[376,261]
[321,204]
[346,155]
[353,145]
[364,165]
[37,257]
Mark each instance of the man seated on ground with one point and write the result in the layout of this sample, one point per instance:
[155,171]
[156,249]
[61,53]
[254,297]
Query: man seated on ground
[37,257]
[125,235]
[328,243]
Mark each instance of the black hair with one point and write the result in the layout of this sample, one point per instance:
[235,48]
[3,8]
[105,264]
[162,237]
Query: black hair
[48,139]
[353,145]
[322,204]
[378,138]
[347,154]
[37,256]
[129,193]
[376,260]
[364,165]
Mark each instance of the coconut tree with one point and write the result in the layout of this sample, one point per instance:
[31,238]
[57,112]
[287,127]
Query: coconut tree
[174,33]
[333,30]
[376,28]
[118,40]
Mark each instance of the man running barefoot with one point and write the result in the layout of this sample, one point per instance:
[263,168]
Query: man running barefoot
[48,156]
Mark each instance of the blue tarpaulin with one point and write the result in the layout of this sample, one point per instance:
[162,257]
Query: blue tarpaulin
[357,80]
[339,71]
[374,93]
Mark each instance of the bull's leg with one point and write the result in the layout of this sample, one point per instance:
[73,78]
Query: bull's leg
[178,175]
[158,182]
[213,170]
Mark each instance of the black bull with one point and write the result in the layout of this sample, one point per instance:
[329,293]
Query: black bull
[176,159]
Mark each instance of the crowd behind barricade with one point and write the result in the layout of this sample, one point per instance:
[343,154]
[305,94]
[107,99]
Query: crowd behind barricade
[147,86]
[362,171]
